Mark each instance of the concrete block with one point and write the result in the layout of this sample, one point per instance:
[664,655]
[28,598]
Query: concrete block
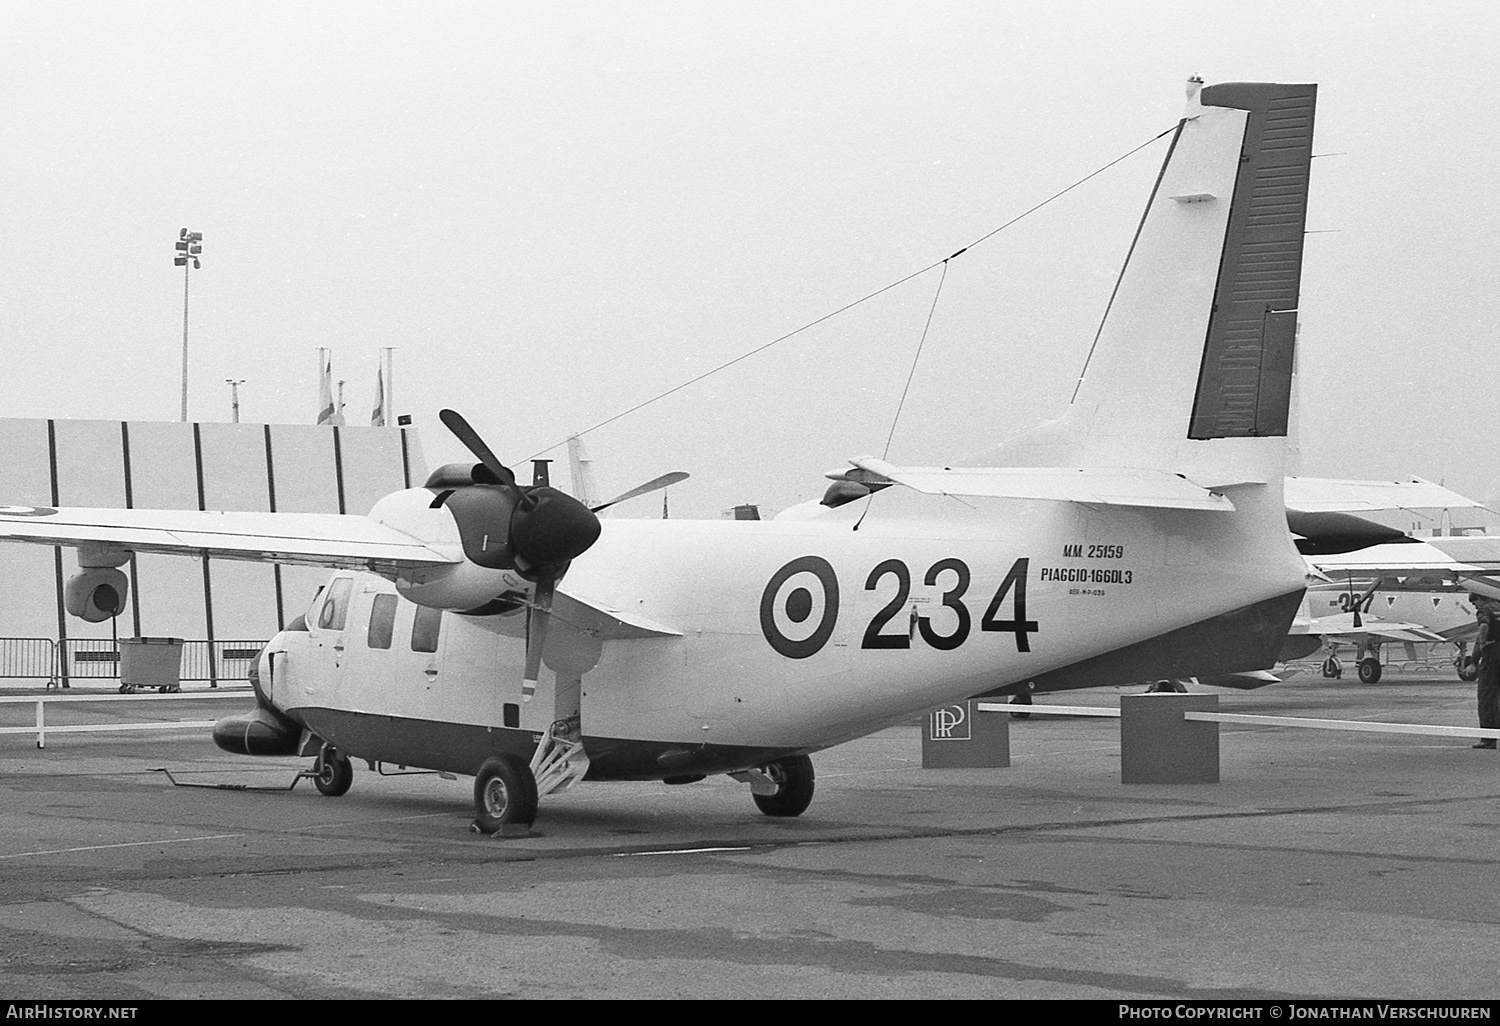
[1157,746]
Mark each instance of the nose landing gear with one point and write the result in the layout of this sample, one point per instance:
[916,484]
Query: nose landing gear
[332,774]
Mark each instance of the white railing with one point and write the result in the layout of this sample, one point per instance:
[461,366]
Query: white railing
[1050,710]
[41,730]
[1249,719]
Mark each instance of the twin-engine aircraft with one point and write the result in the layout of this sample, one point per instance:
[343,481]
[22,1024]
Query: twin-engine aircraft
[478,626]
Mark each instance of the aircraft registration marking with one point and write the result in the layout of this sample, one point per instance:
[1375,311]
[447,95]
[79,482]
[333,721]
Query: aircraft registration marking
[1076,549]
[799,607]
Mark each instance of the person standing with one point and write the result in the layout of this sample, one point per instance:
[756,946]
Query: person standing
[1487,654]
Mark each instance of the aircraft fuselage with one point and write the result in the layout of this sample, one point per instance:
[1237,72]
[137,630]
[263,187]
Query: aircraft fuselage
[794,635]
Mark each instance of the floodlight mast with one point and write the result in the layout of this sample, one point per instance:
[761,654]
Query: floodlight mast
[189,248]
[234,397]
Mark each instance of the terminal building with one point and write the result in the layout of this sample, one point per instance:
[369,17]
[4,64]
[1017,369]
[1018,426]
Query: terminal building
[218,607]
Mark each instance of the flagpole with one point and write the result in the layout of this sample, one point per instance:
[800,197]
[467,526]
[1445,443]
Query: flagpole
[390,385]
[325,386]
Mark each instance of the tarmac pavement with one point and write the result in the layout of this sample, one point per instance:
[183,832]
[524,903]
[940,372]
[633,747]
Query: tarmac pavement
[1324,865]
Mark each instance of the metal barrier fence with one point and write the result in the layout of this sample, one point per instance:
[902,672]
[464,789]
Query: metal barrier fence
[34,658]
[99,658]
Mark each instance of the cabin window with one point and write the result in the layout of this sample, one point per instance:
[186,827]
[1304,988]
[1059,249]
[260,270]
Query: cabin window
[336,605]
[382,621]
[424,629]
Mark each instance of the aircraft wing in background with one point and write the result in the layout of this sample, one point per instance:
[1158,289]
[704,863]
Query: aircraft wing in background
[1348,627]
[1329,515]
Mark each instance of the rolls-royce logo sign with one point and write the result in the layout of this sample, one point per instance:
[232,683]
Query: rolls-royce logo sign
[951,723]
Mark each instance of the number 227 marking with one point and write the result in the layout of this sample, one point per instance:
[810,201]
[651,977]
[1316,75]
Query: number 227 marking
[1012,587]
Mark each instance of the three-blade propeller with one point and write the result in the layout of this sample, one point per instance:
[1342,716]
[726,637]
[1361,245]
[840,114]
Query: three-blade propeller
[545,531]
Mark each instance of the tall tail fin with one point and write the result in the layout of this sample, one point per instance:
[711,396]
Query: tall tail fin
[1192,368]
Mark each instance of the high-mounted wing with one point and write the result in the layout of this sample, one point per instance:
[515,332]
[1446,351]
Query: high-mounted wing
[1146,488]
[306,539]
[1331,495]
[1330,515]
[1343,625]
[1418,555]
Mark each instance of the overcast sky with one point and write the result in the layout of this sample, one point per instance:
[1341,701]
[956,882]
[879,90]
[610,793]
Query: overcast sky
[556,211]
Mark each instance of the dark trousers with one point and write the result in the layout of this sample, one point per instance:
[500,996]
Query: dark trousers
[1489,696]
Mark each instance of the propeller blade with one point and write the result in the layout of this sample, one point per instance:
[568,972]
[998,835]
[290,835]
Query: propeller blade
[665,481]
[536,634]
[471,440]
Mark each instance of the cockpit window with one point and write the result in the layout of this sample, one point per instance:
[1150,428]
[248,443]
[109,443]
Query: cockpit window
[336,605]
[311,616]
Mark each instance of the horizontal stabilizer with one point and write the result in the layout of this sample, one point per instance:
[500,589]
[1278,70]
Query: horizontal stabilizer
[1246,681]
[1147,488]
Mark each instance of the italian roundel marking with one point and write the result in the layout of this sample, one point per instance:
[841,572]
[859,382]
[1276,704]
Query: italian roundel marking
[26,511]
[800,606]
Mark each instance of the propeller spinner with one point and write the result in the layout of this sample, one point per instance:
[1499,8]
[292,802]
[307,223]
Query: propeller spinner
[535,530]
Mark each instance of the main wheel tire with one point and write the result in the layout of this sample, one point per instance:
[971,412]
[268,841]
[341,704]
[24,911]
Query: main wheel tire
[504,794]
[1468,671]
[1021,699]
[794,787]
[334,773]
[1369,670]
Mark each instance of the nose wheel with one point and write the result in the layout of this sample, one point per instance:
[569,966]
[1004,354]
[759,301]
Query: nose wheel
[332,774]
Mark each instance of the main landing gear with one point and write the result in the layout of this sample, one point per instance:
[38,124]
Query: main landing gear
[781,788]
[505,796]
[1369,670]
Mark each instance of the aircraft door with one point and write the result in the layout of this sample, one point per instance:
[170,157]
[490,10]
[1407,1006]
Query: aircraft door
[368,670]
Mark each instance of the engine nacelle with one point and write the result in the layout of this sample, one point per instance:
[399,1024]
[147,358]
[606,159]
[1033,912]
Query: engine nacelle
[261,731]
[96,594]
[462,587]
[265,730]
[1299,647]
